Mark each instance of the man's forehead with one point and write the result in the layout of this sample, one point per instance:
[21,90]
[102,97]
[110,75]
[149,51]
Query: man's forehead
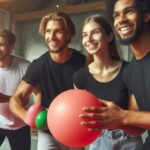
[120,5]
[57,24]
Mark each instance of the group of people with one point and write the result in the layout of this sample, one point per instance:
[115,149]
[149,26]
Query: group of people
[121,86]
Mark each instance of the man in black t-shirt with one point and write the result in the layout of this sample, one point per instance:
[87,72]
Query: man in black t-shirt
[131,19]
[52,72]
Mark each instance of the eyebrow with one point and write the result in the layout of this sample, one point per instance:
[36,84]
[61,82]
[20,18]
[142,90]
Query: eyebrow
[125,9]
[94,29]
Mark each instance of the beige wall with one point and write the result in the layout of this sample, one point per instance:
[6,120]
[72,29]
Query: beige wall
[4,19]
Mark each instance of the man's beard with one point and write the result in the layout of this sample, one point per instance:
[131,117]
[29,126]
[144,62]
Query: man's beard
[58,49]
[134,37]
[3,57]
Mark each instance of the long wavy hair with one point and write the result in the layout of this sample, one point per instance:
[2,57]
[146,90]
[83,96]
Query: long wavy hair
[107,28]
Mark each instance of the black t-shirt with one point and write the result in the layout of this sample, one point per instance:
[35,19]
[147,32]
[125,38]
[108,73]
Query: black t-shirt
[51,77]
[137,77]
[114,90]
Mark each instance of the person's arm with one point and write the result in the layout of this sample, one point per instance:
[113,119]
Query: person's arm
[133,130]
[4,98]
[20,99]
[133,116]
[37,96]
[137,118]
[112,116]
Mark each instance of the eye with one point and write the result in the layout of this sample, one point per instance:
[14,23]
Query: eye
[115,15]
[47,31]
[130,11]
[96,32]
[59,31]
[84,34]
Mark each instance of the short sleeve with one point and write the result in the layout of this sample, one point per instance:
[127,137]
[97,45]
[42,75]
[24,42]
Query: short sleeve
[79,79]
[32,75]
[127,77]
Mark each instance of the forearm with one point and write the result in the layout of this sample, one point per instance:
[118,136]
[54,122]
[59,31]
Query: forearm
[17,108]
[139,119]
[37,96]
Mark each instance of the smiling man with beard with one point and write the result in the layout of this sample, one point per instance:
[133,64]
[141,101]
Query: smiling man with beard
[131,19]
[129,24]
[52,72]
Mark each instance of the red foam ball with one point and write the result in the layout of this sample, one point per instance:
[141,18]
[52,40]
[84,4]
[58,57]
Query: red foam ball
[63,118]
[32,113]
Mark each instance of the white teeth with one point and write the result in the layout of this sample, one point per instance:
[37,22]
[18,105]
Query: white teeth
[91,46]
[124,28]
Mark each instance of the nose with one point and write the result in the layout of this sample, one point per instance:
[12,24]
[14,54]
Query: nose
[122,18]
[89,38]
[52,35]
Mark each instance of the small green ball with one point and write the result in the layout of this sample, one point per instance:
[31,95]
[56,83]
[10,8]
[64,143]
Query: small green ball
[41,120]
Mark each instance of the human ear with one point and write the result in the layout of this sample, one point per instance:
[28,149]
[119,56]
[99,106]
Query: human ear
[147,17]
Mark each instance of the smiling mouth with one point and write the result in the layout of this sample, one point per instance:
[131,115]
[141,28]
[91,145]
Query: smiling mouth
[91,46]
[53,43]
[127,30]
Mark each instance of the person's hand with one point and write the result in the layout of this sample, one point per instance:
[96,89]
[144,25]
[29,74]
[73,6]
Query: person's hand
[110,116]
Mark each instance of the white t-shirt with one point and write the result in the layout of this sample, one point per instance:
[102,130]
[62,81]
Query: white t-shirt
[9,80]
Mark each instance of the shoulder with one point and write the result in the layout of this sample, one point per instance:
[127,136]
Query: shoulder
[80,74]
[79,58]
[81,71]
[127,70]
[21,61]
[42,57]
[40,60]
[124,63]
[78,53]
[79,77]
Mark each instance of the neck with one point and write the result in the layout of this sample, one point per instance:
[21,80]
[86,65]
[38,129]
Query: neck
[6,62]
[105,70]
[62,56]
[102,61]
[141,46]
